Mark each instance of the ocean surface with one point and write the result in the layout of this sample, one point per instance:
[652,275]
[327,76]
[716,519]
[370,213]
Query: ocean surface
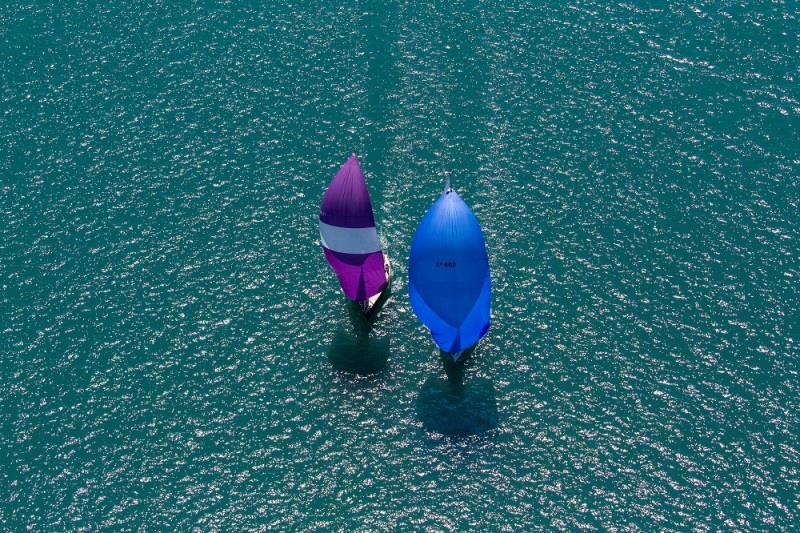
[175,353]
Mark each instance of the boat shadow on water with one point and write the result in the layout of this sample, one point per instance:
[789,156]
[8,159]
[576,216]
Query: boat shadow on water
[358,351]
[456,408]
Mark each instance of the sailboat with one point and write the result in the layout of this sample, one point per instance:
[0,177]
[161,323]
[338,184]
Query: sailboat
[448,275]
[350,240]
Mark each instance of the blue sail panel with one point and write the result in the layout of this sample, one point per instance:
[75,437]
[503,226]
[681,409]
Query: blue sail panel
[449,278]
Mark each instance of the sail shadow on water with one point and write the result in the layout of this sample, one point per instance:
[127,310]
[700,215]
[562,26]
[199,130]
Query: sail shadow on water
[457,409]
[358,350]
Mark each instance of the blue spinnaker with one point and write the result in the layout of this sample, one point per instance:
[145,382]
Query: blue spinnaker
[449,274]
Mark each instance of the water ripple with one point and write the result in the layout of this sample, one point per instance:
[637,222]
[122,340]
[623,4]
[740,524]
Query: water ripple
[176,353]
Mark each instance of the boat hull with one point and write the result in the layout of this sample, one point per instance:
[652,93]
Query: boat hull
[461,355]
[371,306]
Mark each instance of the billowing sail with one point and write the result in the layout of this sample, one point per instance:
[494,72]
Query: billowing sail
[449,274]
[349,238]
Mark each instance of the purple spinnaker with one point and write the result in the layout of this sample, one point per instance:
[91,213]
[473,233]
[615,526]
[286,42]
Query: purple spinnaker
[349,237]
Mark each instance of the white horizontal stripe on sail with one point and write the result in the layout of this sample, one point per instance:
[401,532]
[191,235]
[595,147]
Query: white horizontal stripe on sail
[349,240]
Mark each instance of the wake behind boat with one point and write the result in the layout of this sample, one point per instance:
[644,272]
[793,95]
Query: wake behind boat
[350,240]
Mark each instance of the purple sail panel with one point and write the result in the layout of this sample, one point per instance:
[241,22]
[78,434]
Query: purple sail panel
[348,234]
[361,276]
[346,202]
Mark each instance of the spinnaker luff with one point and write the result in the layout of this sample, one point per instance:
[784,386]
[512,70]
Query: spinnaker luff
[448,272]
[349,238]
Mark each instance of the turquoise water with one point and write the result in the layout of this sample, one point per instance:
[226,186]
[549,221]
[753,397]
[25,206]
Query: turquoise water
[175,351]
